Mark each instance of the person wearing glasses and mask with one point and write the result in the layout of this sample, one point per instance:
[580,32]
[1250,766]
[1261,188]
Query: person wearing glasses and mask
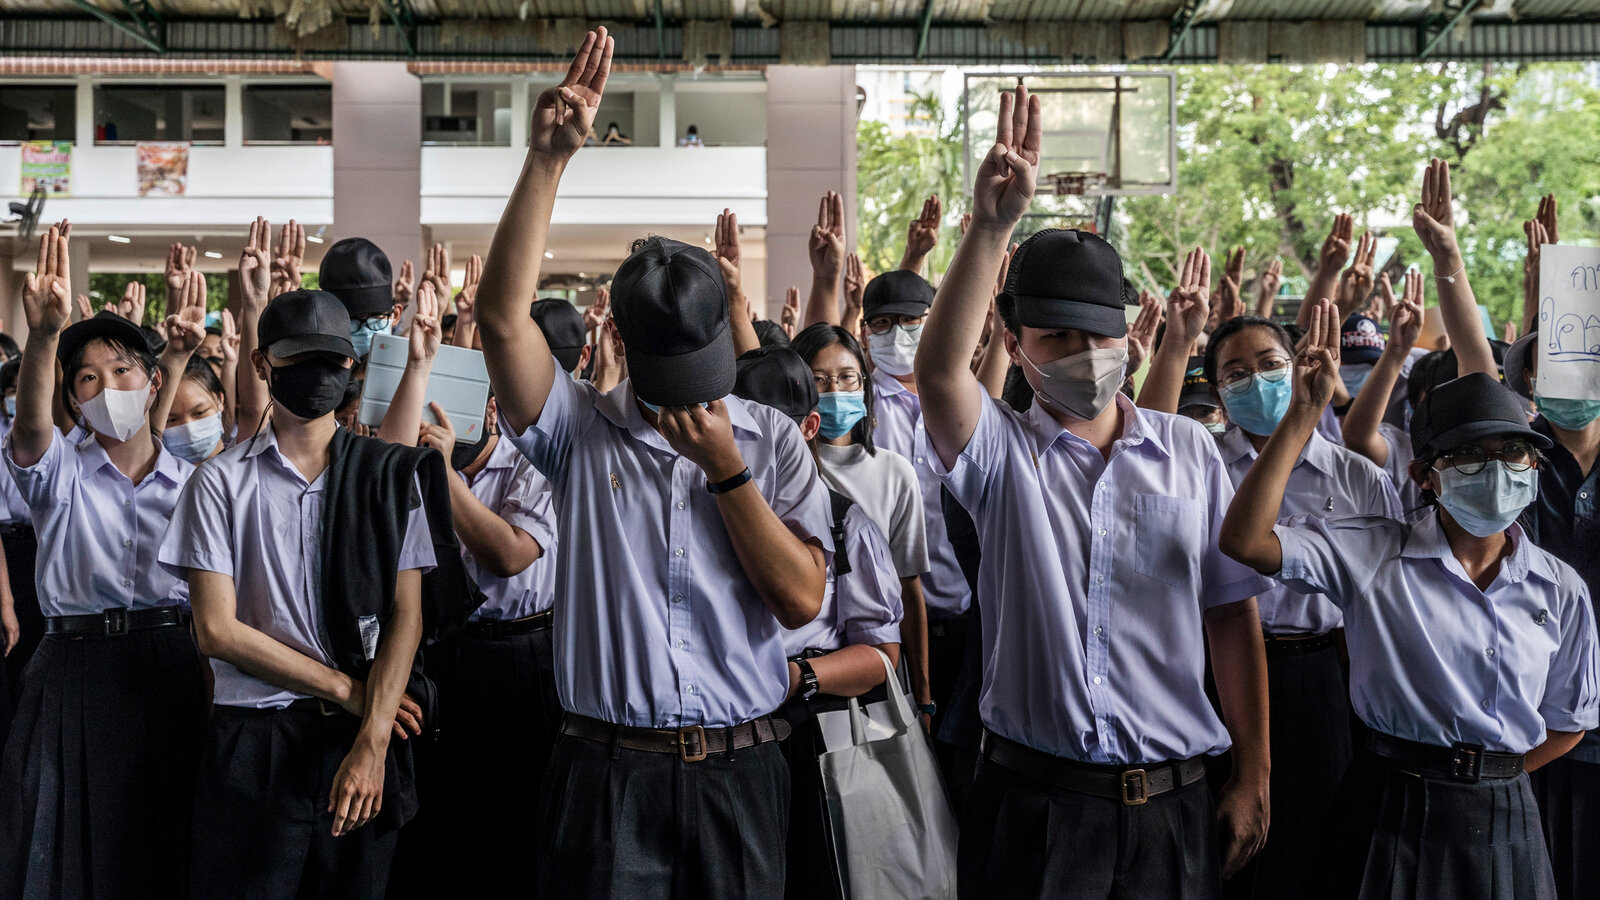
[1100,583]
[357,271]
[1473,656]
[1248,361]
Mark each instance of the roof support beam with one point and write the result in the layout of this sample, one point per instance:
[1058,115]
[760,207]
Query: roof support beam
[661,32]
[146,26]
[404,22]
[1438,37]
[923,27]
[1182,21]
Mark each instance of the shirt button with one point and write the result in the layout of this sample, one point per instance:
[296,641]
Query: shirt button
[1099,579]
[678,552]
[1485,704]
[127,543]
[680,504]
[919,462]
[1102,532]
[677,598]
[127,583]
[1097,679]
[127,503]
[688,689]
[1098,630]
[680,645]
[1584,495]
[1101,486]
[1489,651]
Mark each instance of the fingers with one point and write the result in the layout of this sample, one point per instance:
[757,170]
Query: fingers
[340,803]
[823,210]
[838,213]
[1019,114]
[438,413]
[580,61]
[1003,125]
[299,239]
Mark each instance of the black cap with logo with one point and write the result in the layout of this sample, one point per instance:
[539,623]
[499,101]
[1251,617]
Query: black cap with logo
[779,378]
[1470,408]
[305,322]
[1065,278]
[1196,389]
[1360,340]
[357,273]
[562,325]
[671,310]
[901,292]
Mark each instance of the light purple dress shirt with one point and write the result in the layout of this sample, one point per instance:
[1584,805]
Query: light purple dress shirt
[509,485]
[862,607]
[98,531]
[656,623]
[1094,579]
[899,429]
[1433,658]
[249,514]
[1327,481]
[13,509]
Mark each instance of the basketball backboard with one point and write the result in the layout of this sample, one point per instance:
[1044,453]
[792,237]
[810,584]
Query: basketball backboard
[1104,132]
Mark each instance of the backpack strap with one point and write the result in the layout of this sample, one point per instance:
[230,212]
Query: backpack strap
[841,506]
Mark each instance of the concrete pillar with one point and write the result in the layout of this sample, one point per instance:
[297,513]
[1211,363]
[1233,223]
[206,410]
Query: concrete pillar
[377,157]
[85,111]
[233,111]
[811,149]
[11,284]
[667,123]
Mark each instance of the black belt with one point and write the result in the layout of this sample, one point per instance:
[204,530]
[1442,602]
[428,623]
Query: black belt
[949,626]
[1297,644]
[8,528]
[491,628]
[691,743]
[1457,762]
[114,622]
[318,705]
[1133,787]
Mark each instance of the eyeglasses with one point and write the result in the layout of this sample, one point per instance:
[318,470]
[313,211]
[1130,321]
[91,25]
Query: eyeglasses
[1516,456]
[882,324]
[849,380]
[1273,369]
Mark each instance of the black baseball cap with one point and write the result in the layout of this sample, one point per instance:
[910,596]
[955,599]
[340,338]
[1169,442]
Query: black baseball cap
[779,378]
[1360,340]
[901,292]
[1519,356]
[305,322]
[1065,278]
[671,309]
[103,324]
[562,325]
[1196,389]
[770,333]
[1470,408]
[357,273]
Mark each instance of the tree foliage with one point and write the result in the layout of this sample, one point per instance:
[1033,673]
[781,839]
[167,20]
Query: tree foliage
[894,174]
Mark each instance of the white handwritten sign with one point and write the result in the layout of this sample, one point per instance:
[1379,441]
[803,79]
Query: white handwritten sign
[1569,322]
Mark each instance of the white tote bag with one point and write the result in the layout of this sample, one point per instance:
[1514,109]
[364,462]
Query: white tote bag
[892,822]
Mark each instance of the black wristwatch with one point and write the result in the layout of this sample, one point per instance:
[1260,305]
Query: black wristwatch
[808,680]
[722,487]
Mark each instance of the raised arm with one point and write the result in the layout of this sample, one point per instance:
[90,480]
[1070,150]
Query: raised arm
[47,303]
[1267,288]
[728,256]
[255,285]
[501,547]
[1361,421]
[1002,192]
[230,371]
[1434,221]
[519,361]
[1142,333]
[186,331]
[289,258]
[467,305]
[180,262]
[993,361]
[1247,533]
[404,418]
[922,235]
[1187,311]
[1335,253]
[1541,229]
[827,261]
[855,292]
[1355,283]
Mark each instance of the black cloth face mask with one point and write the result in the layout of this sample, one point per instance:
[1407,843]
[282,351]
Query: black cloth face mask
[310,389]
[463,455]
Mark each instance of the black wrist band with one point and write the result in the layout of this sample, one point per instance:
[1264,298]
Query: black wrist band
[809,686]
[722,487]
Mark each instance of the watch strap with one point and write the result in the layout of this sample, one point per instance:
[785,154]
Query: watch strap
[722,487]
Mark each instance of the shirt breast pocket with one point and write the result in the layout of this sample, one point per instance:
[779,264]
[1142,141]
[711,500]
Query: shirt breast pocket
[1170,534]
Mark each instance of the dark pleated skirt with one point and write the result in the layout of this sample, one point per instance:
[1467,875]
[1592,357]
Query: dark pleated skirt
[97,780]
[1568,793]
[1311,749]
[21,549]
[1398,836]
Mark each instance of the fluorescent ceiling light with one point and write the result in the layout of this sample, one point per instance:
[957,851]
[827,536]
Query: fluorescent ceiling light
[549,255]
[212,254]
[119,239]
[313,239]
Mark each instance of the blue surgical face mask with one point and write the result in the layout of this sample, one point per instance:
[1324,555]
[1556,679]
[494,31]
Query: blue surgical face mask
[1217,428]
[1569,415]
[1487,502]
[1262,405]
[840,411]
[11,406]
[362,331]
[1354,377]
[194,441]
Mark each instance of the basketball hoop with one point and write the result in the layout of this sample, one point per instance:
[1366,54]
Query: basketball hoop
[1076,183]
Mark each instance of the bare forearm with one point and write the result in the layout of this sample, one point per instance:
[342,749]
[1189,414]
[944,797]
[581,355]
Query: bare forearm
[402,423]
[1163,384]
[1459,308]
[172,368]
[464,333]
[914,637]
[607,378]
[1239,661]
[1247,533]
[253,394]
[912,262]
[230,394]
[504,549]
[853,670]
[1361,421]
[1556,745]
[993,362]
[392,669]
[254,653]
[822,304]
[786,571]
[34,426]
[744,331]
[1322,287]
[955,323]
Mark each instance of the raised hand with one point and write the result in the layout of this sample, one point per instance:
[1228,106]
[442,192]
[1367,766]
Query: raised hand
[827,239]
[85,311]
[186,322]
[1229,299]
[1142,333]
[595,315]
[855,292]
[923,233]
[47,292]
[1267,287]
[180,261]
[1383,302]
[132,304]
[704,436]
[1003,187]
[1434,217]
[1405,316]
[1547,218]
[1189,304]
[441,437]
[438,272]
[230,338]
[1355,284]
[564,114]
[290,255]
[1538,235]
[425,334]
[1316,365]
[1336,248]
[966,222]
[255,266]
[727,237]
[791,312]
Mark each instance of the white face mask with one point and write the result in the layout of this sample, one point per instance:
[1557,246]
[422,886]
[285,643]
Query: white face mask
[1081,385]
[118,415]
[1488,501]
[895,350]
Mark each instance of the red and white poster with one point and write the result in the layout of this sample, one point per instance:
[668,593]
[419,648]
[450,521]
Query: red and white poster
[163,167]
